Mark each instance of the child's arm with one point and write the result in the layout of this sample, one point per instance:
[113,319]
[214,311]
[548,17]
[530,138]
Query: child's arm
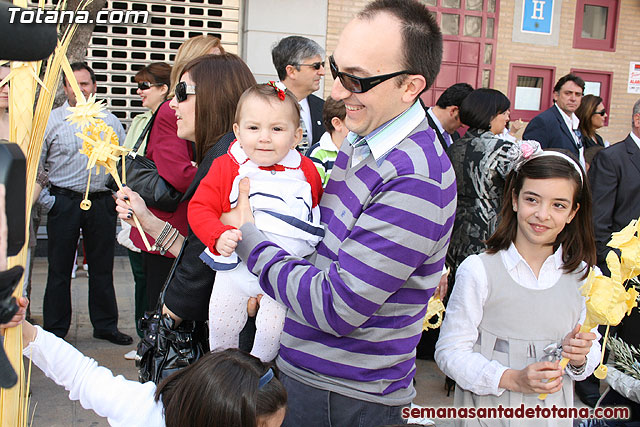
[459,332]
[210,200]
[227,242]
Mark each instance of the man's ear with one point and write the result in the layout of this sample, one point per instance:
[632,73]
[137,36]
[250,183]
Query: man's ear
[414,85]
[291,71]
[453,110]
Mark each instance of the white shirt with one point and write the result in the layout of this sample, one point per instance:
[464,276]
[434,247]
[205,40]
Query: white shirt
[573,123]
[305,114]
[635,139]
[459,331]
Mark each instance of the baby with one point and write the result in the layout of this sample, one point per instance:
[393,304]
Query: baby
[284,196]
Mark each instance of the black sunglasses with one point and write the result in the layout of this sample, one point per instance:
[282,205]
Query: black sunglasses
[315,65]
[602,112]
[360,84]
[183,90]
[147,85]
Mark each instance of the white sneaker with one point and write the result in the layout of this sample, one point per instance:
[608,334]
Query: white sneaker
[131,355]
[422,420]
[85,267]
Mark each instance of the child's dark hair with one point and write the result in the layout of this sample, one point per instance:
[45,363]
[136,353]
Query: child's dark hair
[577,237]
[221,389]
[331,109]
[269,93]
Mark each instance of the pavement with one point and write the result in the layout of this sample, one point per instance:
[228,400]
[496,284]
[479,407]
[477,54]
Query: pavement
[50,404]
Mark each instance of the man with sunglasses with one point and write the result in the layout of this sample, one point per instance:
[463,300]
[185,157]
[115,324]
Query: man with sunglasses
[356,306]
[68,177]
[299,62]
[557,127]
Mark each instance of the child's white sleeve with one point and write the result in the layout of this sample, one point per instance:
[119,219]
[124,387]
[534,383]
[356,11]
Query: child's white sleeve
[459,332]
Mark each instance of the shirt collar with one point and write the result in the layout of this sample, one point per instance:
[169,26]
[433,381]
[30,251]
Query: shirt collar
[635,139]
[435,120]
[384,138]
[512,258]
[326,143]
[304,104]
[572,122]
[291,161]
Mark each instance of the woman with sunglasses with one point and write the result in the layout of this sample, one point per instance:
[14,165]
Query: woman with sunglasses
[153,87]
[592,115]
[205,108]
[176,160]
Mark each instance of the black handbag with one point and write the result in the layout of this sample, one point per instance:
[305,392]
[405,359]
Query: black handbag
[143,178]
[166,348]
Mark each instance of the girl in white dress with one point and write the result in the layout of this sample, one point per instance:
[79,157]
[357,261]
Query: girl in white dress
[516,309]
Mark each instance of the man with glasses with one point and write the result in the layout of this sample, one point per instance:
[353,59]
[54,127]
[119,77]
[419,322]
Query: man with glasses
[299,62]
[68,177]
[557,127]
[356,305]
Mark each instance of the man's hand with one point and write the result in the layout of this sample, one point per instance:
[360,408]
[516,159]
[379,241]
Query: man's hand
[227,242]
[242,213]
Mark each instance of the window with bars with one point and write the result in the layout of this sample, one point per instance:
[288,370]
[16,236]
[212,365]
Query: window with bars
[117,51]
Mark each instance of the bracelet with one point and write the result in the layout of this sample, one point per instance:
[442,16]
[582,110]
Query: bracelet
[578,370]
[163,235]
[170,241]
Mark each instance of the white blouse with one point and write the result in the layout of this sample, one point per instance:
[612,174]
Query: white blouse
[459,331]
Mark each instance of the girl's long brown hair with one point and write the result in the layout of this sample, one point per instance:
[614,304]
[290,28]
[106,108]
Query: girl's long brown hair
[577,238]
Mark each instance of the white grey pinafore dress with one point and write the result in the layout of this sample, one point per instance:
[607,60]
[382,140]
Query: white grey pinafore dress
[517,324]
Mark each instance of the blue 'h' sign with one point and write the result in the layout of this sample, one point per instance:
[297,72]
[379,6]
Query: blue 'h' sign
[537,16]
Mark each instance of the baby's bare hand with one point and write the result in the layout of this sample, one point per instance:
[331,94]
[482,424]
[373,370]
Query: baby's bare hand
[228,241]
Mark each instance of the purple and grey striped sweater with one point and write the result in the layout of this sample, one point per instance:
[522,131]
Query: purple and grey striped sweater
[356,306]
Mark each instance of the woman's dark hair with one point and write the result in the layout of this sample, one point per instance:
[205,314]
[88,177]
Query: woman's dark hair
[156,72]
[585,112]
[481,106]
[221,389]
[220,80]
[577,237]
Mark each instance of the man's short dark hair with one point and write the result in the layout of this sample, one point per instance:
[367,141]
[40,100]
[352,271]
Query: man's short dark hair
[454,95]
[421,36]
[293,50]
[568,78]
[77,66]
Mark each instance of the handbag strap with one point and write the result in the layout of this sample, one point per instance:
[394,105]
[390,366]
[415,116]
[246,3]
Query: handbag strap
[160,302]
[145,131]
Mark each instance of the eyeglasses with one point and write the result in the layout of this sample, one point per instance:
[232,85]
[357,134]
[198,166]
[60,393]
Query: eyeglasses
[602,113]
[315,65]
[183,90]
[147,85]
[360,84]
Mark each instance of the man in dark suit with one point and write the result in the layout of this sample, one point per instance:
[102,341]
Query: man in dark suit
[614,176]
[557,127]
[300,63]
[444,117]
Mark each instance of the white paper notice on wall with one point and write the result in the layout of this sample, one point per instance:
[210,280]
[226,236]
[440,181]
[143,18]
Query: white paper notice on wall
[528,98]
[634,78]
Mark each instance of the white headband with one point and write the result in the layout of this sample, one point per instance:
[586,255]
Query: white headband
[523,151]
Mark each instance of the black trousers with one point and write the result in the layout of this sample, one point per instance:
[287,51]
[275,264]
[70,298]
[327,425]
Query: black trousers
[98,224]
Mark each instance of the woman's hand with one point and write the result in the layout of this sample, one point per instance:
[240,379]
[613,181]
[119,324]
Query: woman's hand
[576,346]
[242,213]
[128,203]
[539,377]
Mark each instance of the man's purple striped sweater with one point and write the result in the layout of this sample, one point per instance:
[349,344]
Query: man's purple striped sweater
[356,306]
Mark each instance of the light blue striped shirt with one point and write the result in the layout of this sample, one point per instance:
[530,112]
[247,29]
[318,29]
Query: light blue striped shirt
[61,155]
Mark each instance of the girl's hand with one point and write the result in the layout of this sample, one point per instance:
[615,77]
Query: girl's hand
[576,346]
[242,213]
[19,316]
[227,242]
[135,206]
[539,377]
